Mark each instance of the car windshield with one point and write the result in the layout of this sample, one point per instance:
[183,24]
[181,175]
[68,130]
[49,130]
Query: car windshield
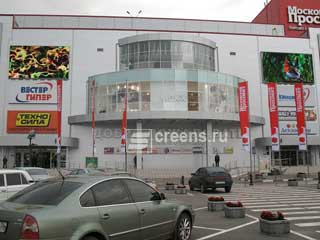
[37,171]
[215,170]
[45,193]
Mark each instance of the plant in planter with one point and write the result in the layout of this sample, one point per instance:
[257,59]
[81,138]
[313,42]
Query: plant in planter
[273,223]
[215,203]
[181,189]
[234,210]
[169,186]
[292,182]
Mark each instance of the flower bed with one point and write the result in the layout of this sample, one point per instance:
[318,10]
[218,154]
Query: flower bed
[215,203]
[180,189]
[169,186]
[234,210]
[273,223]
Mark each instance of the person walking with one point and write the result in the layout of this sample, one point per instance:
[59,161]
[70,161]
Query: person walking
[217,159]
[5,162]
[135,162]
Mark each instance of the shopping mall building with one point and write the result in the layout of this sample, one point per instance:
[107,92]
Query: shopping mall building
[180,77]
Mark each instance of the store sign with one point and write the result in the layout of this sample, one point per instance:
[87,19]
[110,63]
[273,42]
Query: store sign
[25,121]
[286,96]
[289,114]
[290,128]
[32,92]
[303,16]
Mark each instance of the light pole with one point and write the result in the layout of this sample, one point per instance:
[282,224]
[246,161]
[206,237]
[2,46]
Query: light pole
[31,135]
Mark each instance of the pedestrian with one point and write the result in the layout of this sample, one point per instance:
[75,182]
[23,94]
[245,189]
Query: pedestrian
[217,159]
[5,162]
[135,162]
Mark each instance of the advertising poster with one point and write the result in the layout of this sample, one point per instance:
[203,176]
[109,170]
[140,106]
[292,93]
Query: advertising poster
[286,96]
[289,114]
[39,62]
[24,121]
[244,115]
[287,68]
[32,92]
[301,124]
[91,162]
[273,113]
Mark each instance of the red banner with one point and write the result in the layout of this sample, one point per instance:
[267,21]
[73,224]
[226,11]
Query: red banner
[273,113]
[301,124]
[59,110]
[124,126]
[244,115]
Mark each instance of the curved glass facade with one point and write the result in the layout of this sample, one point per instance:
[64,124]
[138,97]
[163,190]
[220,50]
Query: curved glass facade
[175,54]
[165,90]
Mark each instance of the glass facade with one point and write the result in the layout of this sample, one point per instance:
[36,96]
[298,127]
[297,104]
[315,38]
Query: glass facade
[166,54]
[165,90]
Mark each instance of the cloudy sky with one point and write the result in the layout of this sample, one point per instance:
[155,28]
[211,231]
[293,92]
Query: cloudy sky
[232,10]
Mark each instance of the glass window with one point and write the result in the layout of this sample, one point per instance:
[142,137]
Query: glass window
[87,199]
[23,179]
[142,192]
[45,193]
[37,171]
[110,192]
[1,180]
[13,179]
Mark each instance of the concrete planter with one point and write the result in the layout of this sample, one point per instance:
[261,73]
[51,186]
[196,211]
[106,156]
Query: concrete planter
[275,227]
[169,187]
[215,206]
[292,182]
[180,191]
[234,212]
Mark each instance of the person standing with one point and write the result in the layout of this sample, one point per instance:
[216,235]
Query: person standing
[5,162]
[135,162]
[217,159]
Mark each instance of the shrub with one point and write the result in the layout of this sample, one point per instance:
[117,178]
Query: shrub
[216,199]
[234,204]
[270,216]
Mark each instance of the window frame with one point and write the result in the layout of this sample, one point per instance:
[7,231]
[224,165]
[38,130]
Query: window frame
[132,197]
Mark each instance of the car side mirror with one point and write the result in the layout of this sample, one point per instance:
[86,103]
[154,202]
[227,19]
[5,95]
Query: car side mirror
[162,196]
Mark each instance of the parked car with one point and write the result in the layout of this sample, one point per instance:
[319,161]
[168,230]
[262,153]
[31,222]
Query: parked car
[12,181]
[36,173]
[97,207]
[211,177]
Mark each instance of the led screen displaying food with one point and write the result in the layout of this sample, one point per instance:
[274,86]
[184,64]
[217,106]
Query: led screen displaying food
[39,62]
[287,67]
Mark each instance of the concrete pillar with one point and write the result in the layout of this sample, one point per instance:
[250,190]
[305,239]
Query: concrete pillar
[209,143]
[139,151]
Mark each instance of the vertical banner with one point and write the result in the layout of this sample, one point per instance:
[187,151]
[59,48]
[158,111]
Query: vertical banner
[93,117]
[59,108]
[273,113]
[301,124]
[244,115]
[124,126]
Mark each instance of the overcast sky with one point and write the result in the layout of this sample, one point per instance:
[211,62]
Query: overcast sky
[232,10]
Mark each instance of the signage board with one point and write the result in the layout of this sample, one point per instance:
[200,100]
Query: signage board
[290,128]
[286,96]
[289,114]
[45,122]
[32,92]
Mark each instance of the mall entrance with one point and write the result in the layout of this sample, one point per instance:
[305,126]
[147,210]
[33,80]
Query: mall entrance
[291,156]
[44,157]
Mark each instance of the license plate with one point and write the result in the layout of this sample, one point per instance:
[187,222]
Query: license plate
[220,182]
[3,226]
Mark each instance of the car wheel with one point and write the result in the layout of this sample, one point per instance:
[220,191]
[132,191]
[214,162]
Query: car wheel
[191,187]
[183,228]
[89,238]
[202,189]
[227,189]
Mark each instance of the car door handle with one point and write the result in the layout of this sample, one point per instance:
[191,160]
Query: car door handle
[106,216]
[142,211]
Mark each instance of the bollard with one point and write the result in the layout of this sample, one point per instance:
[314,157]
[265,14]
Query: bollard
[318,180]
[182,180]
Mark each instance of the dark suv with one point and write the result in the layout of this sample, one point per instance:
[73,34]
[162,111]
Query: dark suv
[211,177]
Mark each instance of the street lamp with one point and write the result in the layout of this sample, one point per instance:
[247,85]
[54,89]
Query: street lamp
[31,135]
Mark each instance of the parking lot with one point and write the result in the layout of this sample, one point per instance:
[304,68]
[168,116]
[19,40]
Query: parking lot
[300,205]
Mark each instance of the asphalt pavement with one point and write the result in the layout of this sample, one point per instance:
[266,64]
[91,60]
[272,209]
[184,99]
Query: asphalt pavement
[300,205]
